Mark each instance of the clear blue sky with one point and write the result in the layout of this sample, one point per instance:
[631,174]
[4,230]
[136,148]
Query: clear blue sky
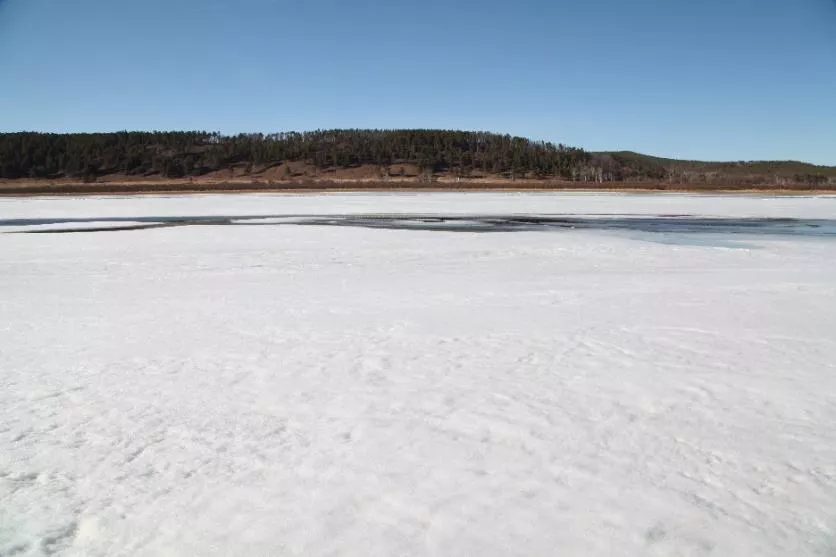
[707,79]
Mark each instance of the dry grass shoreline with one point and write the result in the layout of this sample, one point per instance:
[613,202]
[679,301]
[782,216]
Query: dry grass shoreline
[48,188]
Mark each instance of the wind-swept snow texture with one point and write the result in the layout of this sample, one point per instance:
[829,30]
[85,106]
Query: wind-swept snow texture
[283,389]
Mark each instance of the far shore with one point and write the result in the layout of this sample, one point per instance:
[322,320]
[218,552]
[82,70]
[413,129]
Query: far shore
[186,186]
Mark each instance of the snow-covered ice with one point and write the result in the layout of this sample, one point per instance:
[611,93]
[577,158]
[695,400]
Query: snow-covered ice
[318,390]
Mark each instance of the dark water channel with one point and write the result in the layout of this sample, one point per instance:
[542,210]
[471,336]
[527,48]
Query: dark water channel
[661,224]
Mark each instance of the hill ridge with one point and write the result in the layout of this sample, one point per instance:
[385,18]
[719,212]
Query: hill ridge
[418,154]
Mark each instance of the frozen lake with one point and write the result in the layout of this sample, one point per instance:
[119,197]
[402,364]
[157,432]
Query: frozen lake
[418,374]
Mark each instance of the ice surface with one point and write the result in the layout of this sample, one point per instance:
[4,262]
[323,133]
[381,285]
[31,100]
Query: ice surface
[288,390]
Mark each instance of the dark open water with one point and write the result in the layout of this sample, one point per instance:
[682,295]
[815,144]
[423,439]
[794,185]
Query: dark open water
[666,224]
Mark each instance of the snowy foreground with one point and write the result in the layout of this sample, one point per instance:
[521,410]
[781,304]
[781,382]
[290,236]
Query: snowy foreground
[349,391]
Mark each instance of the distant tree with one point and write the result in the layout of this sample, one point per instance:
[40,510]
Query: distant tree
[193,153]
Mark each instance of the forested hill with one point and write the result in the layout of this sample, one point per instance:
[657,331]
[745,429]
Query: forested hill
[169,155]
[179,154]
